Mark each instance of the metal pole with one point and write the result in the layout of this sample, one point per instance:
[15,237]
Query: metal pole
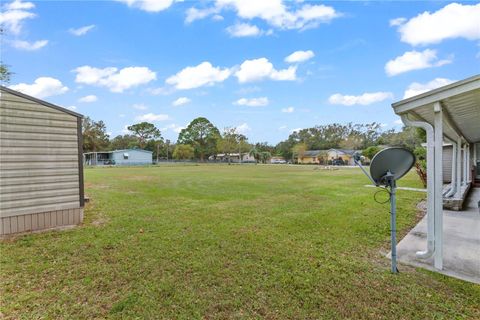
[393,223]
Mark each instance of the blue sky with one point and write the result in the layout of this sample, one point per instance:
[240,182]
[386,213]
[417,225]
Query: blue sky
[127,61]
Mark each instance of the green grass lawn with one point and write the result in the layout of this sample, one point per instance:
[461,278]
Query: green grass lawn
[227,242]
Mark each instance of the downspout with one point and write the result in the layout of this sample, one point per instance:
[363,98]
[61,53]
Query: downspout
[453,188]
[430,185]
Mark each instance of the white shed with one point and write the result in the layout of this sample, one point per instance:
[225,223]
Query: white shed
[41,168]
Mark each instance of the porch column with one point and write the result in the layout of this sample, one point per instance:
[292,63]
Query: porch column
[468,179]
[438,127]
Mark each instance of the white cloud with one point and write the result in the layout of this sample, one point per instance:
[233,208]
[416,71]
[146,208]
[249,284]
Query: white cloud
[259,69]
[173,127]
[397,21]
[151,117]
[300,56]
[203,74]
[243,128]
[42,87]
[253,102]
[282,127]
[198,14]
[398,122]
[73,108]
[114,79]
[274,12]
[181,101]
[288,110]
[13,14]
[149,5]
[364,99]
[452,21]
[82,30]
[416,88]
[244,30]
[414,60]
[139,106]
[29,46]
[88,99]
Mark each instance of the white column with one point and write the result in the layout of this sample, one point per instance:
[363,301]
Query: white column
[468,179]
[464,176]
[438,124]
[453,184]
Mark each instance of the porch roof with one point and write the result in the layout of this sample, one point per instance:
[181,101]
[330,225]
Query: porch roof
[461,108]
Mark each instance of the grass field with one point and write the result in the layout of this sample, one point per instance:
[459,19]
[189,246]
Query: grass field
[227,242]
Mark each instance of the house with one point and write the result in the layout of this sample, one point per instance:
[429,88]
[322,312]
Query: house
[278,160]
[41,168]
[345,155]
[127,157]
[234,157]
[447,241]
[312,157]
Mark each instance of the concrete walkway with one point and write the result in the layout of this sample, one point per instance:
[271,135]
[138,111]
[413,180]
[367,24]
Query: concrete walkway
[461,242]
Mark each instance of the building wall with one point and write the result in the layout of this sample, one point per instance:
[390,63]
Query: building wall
[39,164]
[308,160]
[135,157]
[333,154]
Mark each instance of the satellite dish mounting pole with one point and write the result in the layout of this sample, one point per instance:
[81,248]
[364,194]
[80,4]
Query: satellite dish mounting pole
[392,184]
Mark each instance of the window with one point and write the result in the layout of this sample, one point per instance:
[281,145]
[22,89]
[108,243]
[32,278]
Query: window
[125,156]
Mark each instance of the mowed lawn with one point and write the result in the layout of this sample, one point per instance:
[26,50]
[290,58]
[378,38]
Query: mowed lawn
[227,242]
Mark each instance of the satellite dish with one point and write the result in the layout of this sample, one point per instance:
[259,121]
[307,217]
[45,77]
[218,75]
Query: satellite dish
[386,168]
[396,161]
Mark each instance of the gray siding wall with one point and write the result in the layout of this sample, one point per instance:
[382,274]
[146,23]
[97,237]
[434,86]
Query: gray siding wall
[447,163]
[134,157]
[39,158]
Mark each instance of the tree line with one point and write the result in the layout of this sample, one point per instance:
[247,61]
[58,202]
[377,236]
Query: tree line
[202,139]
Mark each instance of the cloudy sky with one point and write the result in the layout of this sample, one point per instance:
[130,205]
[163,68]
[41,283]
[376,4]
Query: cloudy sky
[267,67]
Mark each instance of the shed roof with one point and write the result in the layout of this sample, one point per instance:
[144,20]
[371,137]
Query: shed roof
[121,150]
[461,108]
[39,101]
[313,153]
[344,151]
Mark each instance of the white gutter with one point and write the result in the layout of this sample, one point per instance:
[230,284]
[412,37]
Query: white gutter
[430,185]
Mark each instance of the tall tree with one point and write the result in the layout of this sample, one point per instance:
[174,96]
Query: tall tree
[5,73]
[145,131]
[126,141]
[227,142]
[299,150]
[202,135]
[183,152]
[95,137]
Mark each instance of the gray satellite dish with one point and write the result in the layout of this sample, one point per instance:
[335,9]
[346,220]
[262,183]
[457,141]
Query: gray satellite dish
[397,161]
[386,168]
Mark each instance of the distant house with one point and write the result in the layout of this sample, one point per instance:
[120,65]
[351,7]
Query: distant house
[278,160]
[346,155]
[234,157]
[127,157]
[312,157]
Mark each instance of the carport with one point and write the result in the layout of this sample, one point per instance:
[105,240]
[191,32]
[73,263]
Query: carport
[450,114]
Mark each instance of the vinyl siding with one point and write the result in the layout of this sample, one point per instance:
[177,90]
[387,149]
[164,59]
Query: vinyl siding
[134,157]
[39,168]
[447,163]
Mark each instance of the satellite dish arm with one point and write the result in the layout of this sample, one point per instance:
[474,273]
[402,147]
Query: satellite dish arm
[356,158]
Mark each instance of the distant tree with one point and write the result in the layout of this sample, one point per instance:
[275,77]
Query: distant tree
[5,73]
[145,131]
[299,150]
[202,135]
[255,154]
[353,141]
[370,152]
[95,137]
[228,142]
[183,152]
[265,156]
[126,141]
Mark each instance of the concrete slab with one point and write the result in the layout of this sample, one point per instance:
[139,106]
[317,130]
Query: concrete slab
[461,246]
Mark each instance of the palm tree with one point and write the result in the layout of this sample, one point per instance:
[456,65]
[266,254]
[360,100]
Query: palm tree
[265,156]
[255,154]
